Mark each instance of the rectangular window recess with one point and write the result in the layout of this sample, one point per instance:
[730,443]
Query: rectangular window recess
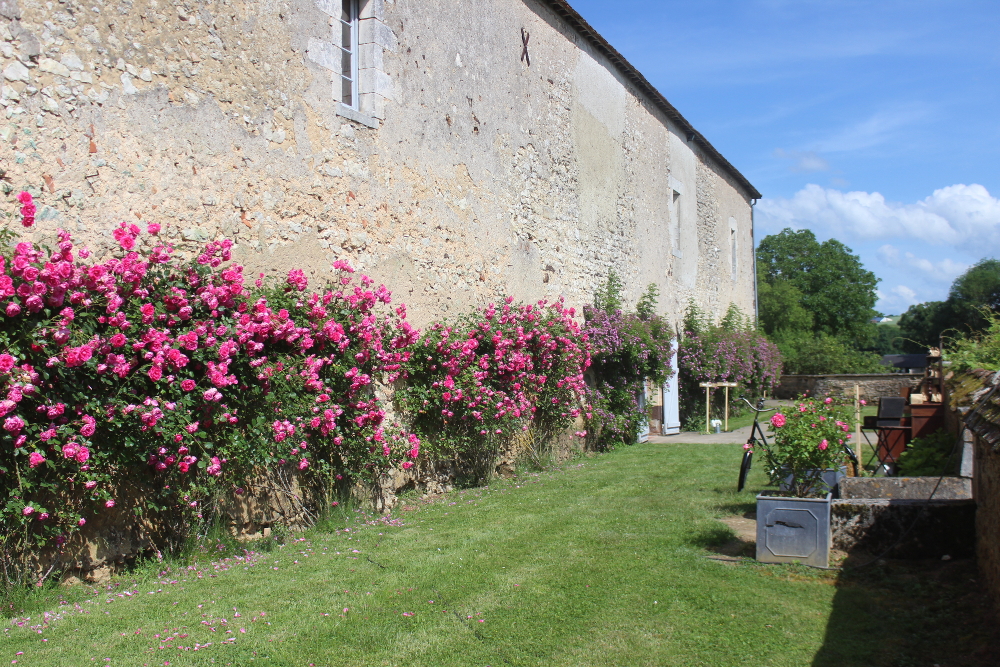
[349,53]
[357,116]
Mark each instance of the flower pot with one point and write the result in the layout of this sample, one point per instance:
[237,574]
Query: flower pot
[831,478]
[793,530]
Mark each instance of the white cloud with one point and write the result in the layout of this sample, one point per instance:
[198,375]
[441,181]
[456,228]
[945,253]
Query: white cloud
[965,217]
[904,292]
[943,271]
[877,129]
[803,161]
[896,300]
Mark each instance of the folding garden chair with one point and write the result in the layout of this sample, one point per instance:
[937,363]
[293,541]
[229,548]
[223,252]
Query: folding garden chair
[892,436]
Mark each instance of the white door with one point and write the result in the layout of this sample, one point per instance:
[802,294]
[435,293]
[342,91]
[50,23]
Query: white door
[644,423]
[671,398]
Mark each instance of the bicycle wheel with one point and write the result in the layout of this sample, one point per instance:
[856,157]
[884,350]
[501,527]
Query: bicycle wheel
[744,469]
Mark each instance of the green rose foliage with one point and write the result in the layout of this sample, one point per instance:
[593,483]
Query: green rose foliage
[809,438]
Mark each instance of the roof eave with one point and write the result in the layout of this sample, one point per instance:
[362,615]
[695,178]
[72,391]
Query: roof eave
[585,30]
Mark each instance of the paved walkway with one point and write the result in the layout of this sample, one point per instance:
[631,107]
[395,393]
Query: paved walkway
[740,435]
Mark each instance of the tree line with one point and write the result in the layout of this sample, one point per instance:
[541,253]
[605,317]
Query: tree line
[816,301]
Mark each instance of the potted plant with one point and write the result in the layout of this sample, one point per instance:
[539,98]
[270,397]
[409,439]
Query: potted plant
[804,460]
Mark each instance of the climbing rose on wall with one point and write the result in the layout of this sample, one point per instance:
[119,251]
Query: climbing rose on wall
[146,371]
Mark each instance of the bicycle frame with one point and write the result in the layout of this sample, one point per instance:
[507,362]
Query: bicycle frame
[752,441]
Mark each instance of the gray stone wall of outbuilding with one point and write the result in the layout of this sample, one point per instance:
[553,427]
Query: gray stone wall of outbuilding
[464,175]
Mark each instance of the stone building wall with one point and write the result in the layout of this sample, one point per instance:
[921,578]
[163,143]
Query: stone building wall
[465,175]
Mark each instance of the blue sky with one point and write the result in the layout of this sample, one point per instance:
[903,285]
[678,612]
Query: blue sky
[873,122]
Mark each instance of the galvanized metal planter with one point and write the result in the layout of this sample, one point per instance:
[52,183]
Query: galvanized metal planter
[793,530]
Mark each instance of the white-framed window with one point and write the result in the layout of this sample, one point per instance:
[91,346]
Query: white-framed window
[349,53]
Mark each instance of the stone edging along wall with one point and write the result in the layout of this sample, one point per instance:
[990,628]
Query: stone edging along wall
[117,538]
[872,385]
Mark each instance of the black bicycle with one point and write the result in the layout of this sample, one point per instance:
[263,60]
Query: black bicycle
[753,442]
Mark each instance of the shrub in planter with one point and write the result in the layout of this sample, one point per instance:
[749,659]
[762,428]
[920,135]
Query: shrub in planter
[808,440]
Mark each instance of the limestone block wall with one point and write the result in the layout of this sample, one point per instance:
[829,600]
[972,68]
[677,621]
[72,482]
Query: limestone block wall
[872,386]
[464,175]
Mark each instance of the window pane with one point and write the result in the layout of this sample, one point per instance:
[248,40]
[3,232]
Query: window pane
[346,95]
[345,64]
[345,14]
[345,39]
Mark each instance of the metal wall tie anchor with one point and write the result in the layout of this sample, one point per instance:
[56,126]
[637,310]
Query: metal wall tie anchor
[525,58]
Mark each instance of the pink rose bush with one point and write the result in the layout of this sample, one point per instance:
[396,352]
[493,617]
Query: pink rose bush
[493,373]
[169,375]
[808,440]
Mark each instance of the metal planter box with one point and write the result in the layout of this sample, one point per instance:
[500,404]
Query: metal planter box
[793,530]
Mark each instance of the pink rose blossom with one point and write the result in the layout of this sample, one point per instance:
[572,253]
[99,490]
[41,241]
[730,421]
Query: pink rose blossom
[778,420]
[109,504]
[13,424]
[28,510]
[35,459]
[823,445]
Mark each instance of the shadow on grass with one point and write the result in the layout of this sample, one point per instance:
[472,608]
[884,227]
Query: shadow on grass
[747,510]
[712,537]
[902,613]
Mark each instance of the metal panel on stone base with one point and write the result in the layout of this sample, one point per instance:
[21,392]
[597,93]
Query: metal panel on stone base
[793,530]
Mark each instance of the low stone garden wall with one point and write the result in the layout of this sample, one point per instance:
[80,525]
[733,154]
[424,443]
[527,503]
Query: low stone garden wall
[905,517]
[872,385]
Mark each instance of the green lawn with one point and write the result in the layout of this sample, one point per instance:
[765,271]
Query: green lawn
[602,561]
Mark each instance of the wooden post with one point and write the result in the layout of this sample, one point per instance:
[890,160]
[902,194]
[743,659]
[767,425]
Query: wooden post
[708,409]
[709,386]
[857,428]
[726,427]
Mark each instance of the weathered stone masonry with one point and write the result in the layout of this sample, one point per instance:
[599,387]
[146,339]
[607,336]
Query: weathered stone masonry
[464,175]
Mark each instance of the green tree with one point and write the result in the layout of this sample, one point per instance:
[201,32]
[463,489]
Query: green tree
[973,295]
[974,290]
[780,309]
[837,291]
[807,353]
[922,324]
